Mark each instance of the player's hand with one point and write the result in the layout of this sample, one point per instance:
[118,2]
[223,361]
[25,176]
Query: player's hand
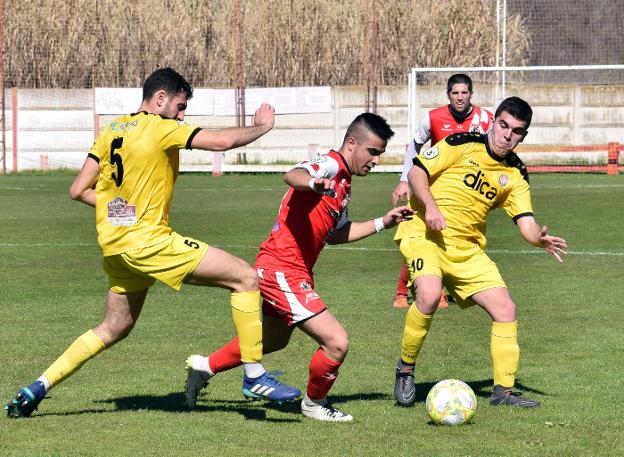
[401,193]
[558,247]
[434,219]
[324,186]
[264,117]
[396,215]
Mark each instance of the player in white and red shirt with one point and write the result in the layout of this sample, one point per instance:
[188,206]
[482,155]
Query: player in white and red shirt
[312,213]
[456,117]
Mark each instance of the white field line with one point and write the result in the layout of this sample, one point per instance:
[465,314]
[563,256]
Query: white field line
[282,188]
[344,248]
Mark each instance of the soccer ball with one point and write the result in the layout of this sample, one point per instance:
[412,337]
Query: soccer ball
[451,402]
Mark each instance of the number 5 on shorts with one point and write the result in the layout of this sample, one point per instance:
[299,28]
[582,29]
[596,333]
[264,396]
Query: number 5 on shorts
[192,244]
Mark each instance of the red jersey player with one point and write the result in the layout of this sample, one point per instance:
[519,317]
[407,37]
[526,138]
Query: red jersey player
[313,212]
[456,117]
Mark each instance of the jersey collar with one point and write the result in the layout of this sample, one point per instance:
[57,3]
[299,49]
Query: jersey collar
[344,161]
[460,117]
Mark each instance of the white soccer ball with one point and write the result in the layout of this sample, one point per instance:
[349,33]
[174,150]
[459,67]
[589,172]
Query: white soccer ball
[451,402]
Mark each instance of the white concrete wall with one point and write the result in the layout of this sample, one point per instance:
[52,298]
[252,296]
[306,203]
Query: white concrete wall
[56,127]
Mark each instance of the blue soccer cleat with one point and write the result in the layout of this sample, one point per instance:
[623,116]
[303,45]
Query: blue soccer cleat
[26,401]
[269,388]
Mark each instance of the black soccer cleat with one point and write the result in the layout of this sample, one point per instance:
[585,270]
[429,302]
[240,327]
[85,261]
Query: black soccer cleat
[505,396]
[404,388]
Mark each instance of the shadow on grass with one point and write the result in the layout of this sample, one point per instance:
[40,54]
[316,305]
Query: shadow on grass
[481,389]
[174,402]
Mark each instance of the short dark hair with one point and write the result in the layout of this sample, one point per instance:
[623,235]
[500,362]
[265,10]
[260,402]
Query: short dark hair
[458,78]
[371,123]
[518,108]
[166,79]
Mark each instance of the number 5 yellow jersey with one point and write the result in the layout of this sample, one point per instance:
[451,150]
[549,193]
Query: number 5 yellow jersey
[139,161]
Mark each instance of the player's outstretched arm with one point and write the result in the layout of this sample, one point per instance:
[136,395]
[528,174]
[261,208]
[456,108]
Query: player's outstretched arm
[538,236]
[83,187]
[354,231]
[234,137]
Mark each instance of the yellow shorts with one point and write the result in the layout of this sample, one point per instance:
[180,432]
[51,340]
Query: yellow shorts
[169,261]
[463,272]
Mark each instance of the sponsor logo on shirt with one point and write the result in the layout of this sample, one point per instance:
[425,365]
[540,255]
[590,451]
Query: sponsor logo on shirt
[123,126]
[120,213]
[478,183]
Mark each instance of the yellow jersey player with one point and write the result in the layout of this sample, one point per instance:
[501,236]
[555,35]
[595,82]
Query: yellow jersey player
[455,184]
[128,177]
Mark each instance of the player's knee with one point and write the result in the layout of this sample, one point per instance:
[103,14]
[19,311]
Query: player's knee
[338,346]
[427,299]
[248,279]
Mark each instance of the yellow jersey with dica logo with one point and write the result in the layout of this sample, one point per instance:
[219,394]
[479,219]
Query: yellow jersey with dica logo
[467,181]
[139,160]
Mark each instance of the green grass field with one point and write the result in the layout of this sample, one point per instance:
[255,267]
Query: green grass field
[129,402]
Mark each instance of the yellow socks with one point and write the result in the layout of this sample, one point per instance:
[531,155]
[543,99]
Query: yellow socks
[246,316]
[85,347]
[416,329]
[505,352]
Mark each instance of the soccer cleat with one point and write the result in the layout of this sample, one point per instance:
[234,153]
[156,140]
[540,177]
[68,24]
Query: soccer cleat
[321,410]
[269,388]
[505,396]
[404,388]
[195,381]
[26,401]
[400,301]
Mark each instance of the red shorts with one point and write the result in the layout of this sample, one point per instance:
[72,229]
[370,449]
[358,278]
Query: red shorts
[288,295]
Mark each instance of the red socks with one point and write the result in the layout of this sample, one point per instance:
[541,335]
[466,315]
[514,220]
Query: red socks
[323,374]
[401,288]
[226,357]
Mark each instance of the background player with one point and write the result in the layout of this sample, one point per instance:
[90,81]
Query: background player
[458,116]
[313,212]
[456,184]
[128,177]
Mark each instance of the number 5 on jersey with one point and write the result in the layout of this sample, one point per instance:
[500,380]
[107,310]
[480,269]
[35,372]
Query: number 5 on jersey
[115,160]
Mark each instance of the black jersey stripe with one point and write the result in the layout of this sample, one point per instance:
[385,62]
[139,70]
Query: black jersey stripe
[518,216]
[416,161]
[189,142]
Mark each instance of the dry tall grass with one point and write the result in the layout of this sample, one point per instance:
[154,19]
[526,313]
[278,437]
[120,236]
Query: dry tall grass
[84,43]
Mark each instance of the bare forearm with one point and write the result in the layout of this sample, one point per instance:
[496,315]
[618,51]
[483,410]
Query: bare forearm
[228,138]
[298,179]
[87,197]
[530,230]
[352,231]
